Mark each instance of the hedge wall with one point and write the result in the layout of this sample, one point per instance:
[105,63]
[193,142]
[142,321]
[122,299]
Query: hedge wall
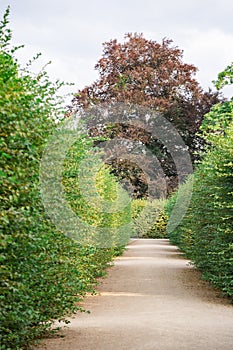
[206,233]
[44,274]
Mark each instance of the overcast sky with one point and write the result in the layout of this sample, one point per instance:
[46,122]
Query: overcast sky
[70,33]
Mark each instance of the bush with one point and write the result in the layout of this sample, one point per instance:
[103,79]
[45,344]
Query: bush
[206,232]
[44,274]
[149,219]
[176,235]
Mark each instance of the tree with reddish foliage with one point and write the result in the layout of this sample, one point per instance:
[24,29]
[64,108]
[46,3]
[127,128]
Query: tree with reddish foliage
[146,73]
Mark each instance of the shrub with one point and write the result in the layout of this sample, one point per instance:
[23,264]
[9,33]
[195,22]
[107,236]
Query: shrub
[206,232]
[44,274]
[149,219]
[95,196]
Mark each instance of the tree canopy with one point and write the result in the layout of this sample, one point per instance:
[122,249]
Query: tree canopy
[153,75]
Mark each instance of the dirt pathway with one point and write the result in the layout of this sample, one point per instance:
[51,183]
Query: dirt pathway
[151,300]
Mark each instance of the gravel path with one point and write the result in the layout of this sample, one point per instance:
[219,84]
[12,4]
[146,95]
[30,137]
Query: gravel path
[152,299]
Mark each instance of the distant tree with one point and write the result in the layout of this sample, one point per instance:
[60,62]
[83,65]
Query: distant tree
[225,77]
[146,73]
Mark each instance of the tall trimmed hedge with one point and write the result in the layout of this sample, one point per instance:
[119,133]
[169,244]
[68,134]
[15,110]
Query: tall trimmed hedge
[95,196]
[44,274]
[206,232]
[149,219]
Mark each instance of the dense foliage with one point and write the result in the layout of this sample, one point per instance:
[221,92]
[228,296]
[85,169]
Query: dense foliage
[149,219]
[44,274]
[153,75]
[95,196]
[206,232]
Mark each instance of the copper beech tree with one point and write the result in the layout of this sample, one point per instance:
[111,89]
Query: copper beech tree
[146,73]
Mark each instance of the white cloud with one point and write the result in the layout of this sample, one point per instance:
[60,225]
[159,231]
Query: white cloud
[70,33]
[211,51]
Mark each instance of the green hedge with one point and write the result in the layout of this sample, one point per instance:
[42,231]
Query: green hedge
[95,196]
[149,219]
[206,232]
[44,274]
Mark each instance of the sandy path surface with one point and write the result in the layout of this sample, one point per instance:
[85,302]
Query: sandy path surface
[152,299]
